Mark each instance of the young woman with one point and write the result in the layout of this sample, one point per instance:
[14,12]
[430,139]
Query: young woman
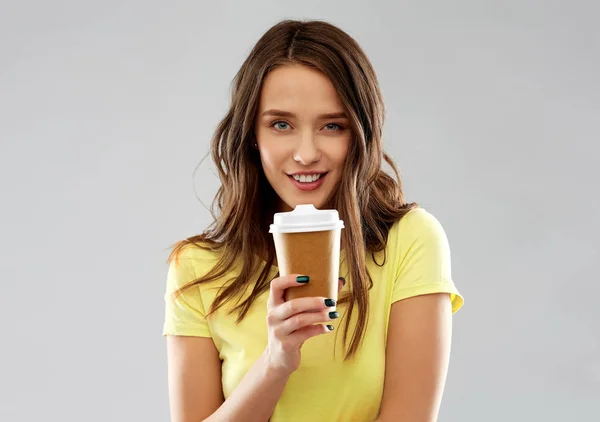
[306,105]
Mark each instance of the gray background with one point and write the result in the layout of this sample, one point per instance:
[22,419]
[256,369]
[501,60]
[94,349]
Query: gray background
[106,108]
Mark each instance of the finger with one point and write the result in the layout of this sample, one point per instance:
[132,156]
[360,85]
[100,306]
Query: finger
[279,285]
[299,305]
[304,319]
[303,334]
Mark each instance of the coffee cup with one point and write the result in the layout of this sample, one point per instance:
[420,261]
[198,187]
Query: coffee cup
[307,242]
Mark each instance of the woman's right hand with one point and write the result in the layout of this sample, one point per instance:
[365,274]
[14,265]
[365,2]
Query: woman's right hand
[293,322]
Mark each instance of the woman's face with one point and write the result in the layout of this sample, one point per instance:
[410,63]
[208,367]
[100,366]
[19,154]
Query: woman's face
[303,135]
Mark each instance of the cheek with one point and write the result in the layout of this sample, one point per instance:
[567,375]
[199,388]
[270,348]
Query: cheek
[271,157]
[339,154]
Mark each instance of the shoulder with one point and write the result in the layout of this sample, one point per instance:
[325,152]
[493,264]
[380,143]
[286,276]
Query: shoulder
[194,254]
[189,261]
[419,249]
[418,237]
[416,225]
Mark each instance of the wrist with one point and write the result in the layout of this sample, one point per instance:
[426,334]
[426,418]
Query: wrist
[273,372]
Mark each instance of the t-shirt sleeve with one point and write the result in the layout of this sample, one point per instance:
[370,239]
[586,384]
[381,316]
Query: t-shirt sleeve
[423,255]
[184,314]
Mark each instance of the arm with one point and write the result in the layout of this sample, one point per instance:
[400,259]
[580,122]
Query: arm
[417,356]
[195,385]
[194,372]
[195,388]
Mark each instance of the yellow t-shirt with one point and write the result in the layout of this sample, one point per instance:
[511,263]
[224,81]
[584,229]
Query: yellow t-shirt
[325,387]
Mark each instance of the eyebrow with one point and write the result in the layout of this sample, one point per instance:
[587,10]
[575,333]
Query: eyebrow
[283,113]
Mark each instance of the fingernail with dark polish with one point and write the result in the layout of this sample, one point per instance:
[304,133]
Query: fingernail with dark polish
[330,327]
[302,279]
[343,281]
[333,315]
[329,302]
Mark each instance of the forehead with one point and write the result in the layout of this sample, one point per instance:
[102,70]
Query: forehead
[299,89]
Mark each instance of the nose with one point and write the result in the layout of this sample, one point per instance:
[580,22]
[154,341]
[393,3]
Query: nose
[307,151]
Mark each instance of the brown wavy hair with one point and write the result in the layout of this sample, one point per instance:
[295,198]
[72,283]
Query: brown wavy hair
[368,199]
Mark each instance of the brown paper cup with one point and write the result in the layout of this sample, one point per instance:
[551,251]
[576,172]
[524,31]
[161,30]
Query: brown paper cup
[315,254]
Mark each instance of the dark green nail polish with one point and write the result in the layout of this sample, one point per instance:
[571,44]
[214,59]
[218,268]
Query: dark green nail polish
[330,327]
[302,279]
[329,302]
[333,315]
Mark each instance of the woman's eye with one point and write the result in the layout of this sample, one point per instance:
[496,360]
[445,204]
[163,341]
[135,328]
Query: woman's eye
[283,126]
[280,125]
[333,126]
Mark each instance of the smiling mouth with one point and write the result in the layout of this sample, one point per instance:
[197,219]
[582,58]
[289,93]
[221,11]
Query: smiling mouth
[307,182]
[307,178]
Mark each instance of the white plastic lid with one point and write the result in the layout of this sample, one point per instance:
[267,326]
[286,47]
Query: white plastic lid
[306,218]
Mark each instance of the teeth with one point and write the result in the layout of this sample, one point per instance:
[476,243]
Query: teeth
[307,178]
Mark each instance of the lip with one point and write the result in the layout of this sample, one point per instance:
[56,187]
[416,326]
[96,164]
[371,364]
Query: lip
[308,186]
[300,173]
